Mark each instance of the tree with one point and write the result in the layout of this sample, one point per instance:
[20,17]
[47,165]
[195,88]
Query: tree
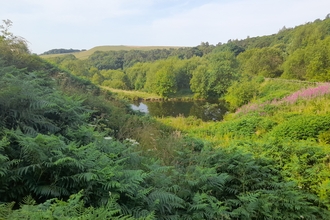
[309,63]
[165,82]
[14,49]
[211,79]
[199,82]
[16,44]
[161,78]
[137,75]
[266,62]
[115,79]
[241,92]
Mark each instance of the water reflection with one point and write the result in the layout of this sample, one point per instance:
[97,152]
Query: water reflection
[201,109]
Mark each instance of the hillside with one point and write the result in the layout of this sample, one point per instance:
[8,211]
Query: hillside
[299,53]
[71,150]
[85,54]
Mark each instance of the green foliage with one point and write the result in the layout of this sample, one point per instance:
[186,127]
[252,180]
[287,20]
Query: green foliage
[302,127]
[293,53]
[137,75]
[35,107]
[241,93]
[76,67]
[14,50]
[212,79]
[235,185]
[166,76]
[274,89]
[324,137]
[265,62]
[114,79]
[243,127]
[58,51]
[309,62]
[73,208]
[165,82]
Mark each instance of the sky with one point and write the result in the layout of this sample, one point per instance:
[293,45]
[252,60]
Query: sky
[84,24]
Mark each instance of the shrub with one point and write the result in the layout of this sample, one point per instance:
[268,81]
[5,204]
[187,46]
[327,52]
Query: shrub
[241,93]
[302,127]
[246,126]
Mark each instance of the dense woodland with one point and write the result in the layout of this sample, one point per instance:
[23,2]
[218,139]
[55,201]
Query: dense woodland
[59,51]
[70,150]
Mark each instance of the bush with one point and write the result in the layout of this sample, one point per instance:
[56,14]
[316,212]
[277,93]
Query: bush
[246,126]
[302,127]
[324,137]
[241,93]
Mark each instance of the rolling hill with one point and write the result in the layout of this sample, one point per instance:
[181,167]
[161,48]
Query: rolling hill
[87,53]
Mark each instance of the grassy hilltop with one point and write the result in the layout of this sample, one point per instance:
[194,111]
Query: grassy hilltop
[85,54]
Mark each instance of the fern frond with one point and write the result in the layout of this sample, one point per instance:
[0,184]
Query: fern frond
[50,190]
[6,210]
[28,200]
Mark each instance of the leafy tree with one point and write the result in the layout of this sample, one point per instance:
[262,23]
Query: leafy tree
[266,62]
[231,46]
[76,67]
[199,82]
[183,71]
[14,50]
[137,75]
[295,66]
[319,68]
[212,79]
[114,78]
[309,63]
[9,41]
[165,82]
[161,78]
[205,47]
[241,92]
[59,51]
[97,79]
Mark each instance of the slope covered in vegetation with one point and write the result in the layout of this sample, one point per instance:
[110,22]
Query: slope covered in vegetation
[299,53]
[69,150]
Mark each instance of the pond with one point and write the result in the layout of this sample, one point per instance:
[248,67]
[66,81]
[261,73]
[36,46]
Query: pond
[205,110]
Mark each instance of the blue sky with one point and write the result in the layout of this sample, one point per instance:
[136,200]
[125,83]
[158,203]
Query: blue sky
[83,24]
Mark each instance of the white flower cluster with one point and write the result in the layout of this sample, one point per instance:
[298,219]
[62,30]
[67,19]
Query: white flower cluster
[108,138]
[132,141]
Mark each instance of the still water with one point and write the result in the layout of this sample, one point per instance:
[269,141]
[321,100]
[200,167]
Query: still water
[201,109]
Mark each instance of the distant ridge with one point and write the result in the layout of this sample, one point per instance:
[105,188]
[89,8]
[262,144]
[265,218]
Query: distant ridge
[85,54]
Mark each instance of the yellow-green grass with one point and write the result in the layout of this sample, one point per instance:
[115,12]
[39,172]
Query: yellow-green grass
[132,95]
[138,95]
[184,124]
[85,54]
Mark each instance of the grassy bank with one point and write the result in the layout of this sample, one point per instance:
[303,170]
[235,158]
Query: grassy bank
[138,95]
